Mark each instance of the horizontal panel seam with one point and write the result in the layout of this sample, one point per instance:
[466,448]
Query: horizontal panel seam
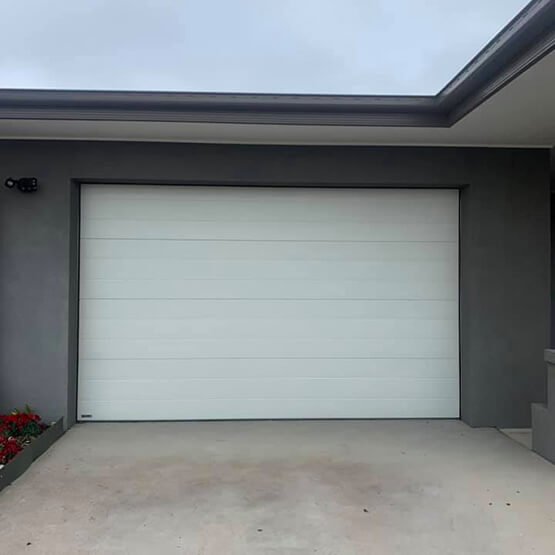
[278,358]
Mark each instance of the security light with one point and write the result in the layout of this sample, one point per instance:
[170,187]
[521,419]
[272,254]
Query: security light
[24,184]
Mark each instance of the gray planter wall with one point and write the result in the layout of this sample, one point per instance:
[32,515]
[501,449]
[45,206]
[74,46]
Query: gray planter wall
[505,259]
[18,465]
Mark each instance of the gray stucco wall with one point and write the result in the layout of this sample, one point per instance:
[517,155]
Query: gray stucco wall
[505,257]
[552,343]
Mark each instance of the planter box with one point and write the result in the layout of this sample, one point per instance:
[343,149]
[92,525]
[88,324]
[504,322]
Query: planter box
[22,461]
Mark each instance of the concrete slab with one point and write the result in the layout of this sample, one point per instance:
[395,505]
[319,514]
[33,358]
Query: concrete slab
[325,487]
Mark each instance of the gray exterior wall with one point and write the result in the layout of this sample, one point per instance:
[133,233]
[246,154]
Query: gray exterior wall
[552,342]
[505,251]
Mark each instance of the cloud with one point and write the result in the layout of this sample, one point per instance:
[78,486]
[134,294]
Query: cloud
[276,46]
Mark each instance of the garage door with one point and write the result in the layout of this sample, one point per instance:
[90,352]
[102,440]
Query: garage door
[225,303]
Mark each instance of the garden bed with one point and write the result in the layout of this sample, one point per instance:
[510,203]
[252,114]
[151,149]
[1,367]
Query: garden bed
[23,438]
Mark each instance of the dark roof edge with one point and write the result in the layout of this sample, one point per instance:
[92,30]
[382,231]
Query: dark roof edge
[284,109]
[523,42]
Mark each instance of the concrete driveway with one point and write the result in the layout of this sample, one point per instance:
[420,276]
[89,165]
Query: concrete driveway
[325,487]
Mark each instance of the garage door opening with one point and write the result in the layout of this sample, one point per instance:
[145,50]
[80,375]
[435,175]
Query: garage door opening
[256,302]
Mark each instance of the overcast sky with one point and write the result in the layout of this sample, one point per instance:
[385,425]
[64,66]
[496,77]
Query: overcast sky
[298,46]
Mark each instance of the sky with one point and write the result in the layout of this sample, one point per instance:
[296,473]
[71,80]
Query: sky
[262,46]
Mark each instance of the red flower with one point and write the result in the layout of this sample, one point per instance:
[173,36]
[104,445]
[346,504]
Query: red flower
[17,430]
[21,424]
[9,448]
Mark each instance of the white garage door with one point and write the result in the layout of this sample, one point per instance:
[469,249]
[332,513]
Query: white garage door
[223,303]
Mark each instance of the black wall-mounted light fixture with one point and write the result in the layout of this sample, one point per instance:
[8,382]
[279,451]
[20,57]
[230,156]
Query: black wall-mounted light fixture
[24,184]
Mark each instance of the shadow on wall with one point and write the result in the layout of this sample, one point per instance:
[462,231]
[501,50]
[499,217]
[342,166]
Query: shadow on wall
[552,207]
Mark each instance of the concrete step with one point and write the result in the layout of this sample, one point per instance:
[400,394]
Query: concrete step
[551,386]
[549,356]
[543,431]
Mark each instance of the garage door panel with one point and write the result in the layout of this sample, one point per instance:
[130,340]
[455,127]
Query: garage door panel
[152,268]
[213,302]
[161,309]
[397,288]
[159,349]
[215,409]
[299,250]
[125,369]
[94,228]
[268,388]
[245,328]
[237,204]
